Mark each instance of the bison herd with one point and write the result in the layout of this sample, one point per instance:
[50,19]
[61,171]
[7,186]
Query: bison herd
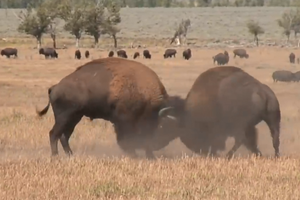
[223,102]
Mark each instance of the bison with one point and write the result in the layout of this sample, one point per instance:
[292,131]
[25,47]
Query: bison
[221,58]
[111,54]
[292,57]
[122,54]
[146,54]
[223,102]
[297,76]
[169,53]
[124,92]
[87,54]
[136,54]
[187,54]
[77,54]
[283,75]
[240,53]
[48,52]
[9,52]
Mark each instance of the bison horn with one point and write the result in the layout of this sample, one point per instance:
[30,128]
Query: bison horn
[171,117]
[164,110]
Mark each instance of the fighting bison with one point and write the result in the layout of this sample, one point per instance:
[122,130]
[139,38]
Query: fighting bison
[48,52]
[87,54]
[9,52]
[292,57]
[187,54]
[240,53]
[221,58]
[111,54]
[169,53]
[297,76]
[122,54]
[283,75]
[111,89]
[146,54]
[136,54]
[77,54]
[223,102]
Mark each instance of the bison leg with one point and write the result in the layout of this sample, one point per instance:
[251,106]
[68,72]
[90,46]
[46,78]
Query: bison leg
[237,144]
[251,141]
[273,122]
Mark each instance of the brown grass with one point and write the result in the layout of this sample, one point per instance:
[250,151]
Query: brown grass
[98,169]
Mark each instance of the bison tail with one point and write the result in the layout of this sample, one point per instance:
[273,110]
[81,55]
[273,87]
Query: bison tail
[45,110]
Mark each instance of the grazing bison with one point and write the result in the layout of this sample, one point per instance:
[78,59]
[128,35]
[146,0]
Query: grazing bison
[187,54]
[240,53]
[9,52]
[146,54]
[124,92]
[283,75]
[221,58]
[169,53]
[48,52]
[77,54]
[136,54]
[111,54]
[87,54]
[297,76]
[122,54]
[292,57]
[223,102]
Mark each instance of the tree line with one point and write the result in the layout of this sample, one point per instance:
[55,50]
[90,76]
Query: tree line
[161,3]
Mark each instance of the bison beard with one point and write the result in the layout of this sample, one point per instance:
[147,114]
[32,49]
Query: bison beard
[112,89]
[226,102]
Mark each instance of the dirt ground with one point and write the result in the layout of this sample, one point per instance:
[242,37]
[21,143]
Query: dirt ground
[26,171]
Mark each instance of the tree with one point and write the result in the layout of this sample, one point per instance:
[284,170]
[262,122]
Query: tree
[35,22]
[112,19]
[94,19]
[288,20]
[255,29]
[74,17]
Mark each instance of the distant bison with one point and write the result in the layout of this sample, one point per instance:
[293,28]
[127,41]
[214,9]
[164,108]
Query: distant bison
[297,76]
[221,58]
[124,92]
[187,54]
[48,52]
[122,54]
[136,54]
[87,54]
[146,54]
[241,53]
[9,52]
[223,102]
[169,53]
[77,54]
[292,57]
[111,54]
[283,75]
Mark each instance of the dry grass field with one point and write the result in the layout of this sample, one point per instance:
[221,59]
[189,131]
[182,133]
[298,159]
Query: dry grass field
[99,169]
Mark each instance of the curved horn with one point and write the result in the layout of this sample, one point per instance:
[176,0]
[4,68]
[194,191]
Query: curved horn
[171,117]
[164,110]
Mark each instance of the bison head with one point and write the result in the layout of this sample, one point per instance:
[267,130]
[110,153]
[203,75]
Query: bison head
[41,51]
[2,52]
[247,55]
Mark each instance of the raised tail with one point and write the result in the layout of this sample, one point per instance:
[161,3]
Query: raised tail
[45,110]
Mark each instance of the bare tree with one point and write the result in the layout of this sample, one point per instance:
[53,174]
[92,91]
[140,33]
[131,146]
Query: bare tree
[287,22]
[255,29]
[181,31]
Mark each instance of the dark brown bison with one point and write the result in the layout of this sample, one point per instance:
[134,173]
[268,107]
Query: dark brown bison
[224,102]
[9,52]
[111,54]
[48,52]
[240,53]
[77,54]
[292,57]
[136,54]
[124,92]
[122,54]
[221,58]
[146,54]
[169,53]
[187,54]
[87,54]
[283,76]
